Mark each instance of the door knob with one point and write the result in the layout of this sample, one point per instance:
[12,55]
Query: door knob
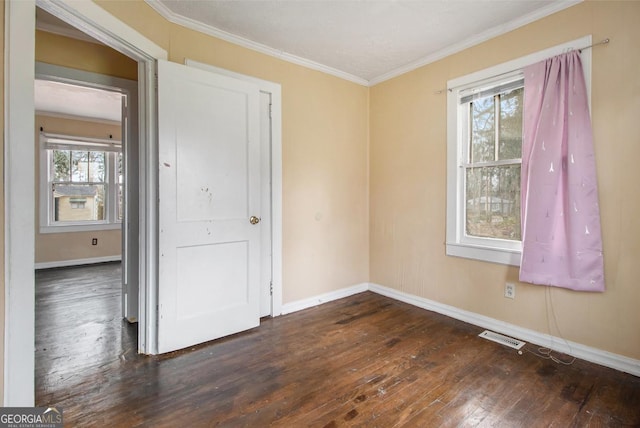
[254,220]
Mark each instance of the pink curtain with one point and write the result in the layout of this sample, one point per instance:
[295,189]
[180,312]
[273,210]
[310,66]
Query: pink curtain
[561,240]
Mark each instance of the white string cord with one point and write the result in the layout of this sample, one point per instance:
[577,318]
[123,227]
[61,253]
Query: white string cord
[547,353]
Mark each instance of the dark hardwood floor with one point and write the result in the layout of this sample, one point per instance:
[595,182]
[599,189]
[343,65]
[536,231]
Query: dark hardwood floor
[361,361]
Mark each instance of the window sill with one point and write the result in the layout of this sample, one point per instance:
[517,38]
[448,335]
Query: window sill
[80,228]
[483,253]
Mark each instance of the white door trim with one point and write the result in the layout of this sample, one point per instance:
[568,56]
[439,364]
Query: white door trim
[276,173]
[19,206]
[19,337]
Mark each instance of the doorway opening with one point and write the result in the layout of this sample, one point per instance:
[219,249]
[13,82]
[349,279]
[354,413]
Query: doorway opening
[87,182]
[86,247]
[19,175]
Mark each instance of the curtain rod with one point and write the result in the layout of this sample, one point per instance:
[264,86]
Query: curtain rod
[601,42]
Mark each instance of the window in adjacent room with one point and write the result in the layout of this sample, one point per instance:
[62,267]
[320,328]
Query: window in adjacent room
[81,185]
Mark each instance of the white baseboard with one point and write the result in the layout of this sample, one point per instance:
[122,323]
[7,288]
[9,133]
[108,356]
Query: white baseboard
[594,355]
[299,305]
[77,262]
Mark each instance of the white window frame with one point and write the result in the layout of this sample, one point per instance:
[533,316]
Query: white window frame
[457,242]
[111,148]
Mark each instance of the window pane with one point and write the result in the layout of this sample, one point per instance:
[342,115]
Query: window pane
[79,166]
[483,134]
[61,163]
[511,124]
[77,202]
[493,202]
[96,166]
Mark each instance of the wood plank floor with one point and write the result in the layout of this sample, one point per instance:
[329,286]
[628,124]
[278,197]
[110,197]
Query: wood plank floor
[361,361]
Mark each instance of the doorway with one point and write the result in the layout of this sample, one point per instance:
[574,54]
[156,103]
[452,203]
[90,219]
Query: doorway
[87,125]
[19,25]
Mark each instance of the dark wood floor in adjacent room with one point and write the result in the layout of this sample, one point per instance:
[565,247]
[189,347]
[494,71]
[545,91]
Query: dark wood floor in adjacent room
[361,361]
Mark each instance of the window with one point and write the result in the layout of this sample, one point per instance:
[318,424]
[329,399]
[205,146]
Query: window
[492,151]
[484,150]
[489,150]
[81,184]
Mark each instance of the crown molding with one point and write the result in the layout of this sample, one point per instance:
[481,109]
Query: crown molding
[249,44]
[499,30]
[477,39]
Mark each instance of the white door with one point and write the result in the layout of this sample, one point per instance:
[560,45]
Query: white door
[209,189]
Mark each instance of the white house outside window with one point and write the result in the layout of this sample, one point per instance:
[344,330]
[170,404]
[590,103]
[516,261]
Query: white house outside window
[81,185]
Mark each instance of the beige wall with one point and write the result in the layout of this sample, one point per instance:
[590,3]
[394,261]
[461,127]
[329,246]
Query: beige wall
[81,55]
[408,185]
[54,247]
[324,145]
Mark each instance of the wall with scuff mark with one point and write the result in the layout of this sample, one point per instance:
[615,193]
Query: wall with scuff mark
[324,154]
[408,185]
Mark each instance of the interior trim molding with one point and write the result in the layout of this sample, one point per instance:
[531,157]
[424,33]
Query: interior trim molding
[114,33]
[584,352]
[310,302]
[78,262]
[19,203]
[167,14]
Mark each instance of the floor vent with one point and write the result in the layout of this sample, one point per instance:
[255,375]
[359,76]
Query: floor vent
[503,340]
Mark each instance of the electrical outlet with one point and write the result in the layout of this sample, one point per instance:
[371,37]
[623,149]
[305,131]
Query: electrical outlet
[510,290]
[94,241]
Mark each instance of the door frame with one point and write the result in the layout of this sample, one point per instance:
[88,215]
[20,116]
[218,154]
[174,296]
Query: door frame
[19,208]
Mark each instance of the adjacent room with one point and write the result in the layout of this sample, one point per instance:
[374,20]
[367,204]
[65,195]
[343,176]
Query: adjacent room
[330,208]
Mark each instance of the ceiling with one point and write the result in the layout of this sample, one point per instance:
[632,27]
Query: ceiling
[365,41]
[77,101]
[71,100]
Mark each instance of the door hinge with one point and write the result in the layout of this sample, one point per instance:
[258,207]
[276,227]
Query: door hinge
[270,111]
[271,288]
